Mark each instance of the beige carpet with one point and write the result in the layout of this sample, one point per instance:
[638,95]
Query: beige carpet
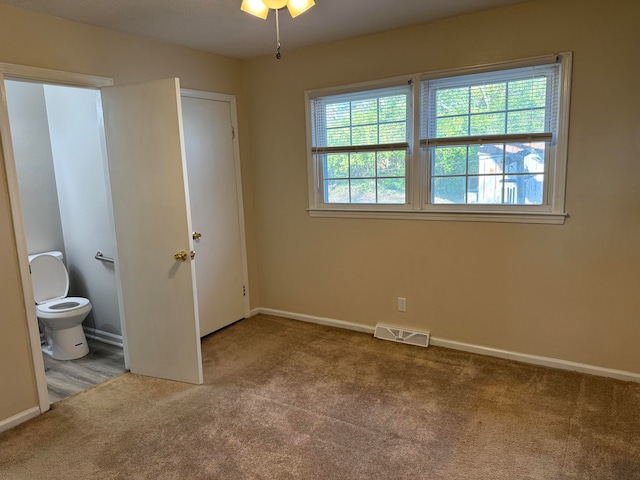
[289,400]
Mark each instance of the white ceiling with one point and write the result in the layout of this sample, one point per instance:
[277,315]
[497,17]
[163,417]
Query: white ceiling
[218,26]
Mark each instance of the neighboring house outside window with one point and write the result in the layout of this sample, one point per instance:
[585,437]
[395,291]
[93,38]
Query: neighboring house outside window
[489,144]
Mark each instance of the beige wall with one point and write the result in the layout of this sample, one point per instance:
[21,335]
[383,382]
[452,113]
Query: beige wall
[16,369]
[48,42]
[569,292]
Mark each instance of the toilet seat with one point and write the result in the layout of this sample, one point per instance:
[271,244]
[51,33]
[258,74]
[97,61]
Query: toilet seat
[63,305]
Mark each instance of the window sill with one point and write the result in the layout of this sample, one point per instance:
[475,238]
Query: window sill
[446,216]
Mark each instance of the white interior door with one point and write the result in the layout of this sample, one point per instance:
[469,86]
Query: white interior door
[215,211]
[143,129]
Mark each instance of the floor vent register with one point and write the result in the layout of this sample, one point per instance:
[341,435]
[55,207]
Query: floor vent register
[402,335]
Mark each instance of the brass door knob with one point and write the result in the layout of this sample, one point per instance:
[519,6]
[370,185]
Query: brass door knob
[181,256]
[196,235]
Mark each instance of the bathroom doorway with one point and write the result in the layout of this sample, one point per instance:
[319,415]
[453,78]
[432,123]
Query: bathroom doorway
[156,287]
[149,197]
[61,165]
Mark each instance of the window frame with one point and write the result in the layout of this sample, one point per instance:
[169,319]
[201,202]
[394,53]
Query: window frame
[315,166]
[418,168]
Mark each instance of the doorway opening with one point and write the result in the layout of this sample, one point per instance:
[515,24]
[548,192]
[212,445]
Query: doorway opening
[60,161]
[148,204]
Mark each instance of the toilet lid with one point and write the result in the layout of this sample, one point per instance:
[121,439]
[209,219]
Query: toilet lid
[49,278]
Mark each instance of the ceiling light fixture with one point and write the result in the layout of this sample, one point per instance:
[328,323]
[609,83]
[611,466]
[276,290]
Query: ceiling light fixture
[260,8]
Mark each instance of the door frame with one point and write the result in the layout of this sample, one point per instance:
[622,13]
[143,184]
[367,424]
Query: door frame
[38,75]
[231,100]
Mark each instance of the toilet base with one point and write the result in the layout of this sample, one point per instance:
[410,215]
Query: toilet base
[66,344]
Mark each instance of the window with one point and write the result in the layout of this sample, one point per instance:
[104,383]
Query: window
[490,145]
[360,144]
[488,135]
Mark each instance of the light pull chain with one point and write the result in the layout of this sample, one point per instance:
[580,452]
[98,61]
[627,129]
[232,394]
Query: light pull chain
[278,56]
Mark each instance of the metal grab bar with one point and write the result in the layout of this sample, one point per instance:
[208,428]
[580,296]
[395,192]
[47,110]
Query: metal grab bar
[100,256]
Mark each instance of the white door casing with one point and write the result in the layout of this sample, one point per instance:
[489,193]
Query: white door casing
[216,208]
[149,189]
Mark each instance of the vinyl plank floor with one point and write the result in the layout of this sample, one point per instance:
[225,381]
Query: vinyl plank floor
[67,377]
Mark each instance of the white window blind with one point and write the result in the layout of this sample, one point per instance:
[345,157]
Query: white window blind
[373,118]
[517,104]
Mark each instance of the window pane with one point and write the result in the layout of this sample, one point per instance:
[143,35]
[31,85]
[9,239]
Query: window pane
[452,127]
[392,164]
[363,191]
[529,93]
[337,137]
[338,114]
[393,109]
[336,191]
[472,190]
[524,157]
[364,112]
[527,121]
[393,132]
[391,190]
[490,158]
[524,189]
[487,124]
[337,165]
[448,189]
[367,135]
[452,101]
[511,190]
[363,164]
[533,154]
[490,189]
[474,159]
[489,98]
[449,161]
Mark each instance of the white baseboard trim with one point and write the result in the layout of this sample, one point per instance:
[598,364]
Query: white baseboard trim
[466,347]
[19,418]
[538,360]
[102,336]
[331,322]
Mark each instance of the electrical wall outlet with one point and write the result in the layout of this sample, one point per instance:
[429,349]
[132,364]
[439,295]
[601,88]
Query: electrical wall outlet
[402,304]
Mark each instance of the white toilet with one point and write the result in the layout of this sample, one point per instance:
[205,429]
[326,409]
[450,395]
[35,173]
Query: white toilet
[62,316]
